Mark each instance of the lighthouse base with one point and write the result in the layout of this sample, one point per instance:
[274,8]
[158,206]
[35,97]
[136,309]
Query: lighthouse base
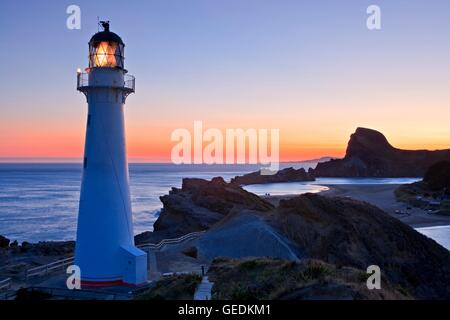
[134,271]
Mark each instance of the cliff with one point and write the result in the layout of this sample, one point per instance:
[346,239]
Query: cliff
[369,154]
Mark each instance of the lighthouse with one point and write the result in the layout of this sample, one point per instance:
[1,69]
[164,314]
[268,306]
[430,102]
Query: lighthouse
[105,251]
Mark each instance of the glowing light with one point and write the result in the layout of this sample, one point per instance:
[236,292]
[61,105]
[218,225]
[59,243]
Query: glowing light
[78,70]
[105,54]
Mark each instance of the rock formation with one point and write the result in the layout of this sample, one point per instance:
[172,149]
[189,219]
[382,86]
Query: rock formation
[199,204]
[284,175]
[4,242]
[369,154]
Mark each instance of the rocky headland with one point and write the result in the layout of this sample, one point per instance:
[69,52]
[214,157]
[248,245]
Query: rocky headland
[369,154]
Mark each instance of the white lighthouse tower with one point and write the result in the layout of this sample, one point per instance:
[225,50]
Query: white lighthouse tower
[105,250]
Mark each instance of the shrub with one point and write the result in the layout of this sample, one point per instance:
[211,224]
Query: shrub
[315,270]
[176,287]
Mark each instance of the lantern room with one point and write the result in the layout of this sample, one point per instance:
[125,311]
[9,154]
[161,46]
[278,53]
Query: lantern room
[106,49]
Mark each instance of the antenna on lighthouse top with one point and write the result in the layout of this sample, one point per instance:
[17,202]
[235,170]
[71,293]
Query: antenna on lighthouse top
[105,25]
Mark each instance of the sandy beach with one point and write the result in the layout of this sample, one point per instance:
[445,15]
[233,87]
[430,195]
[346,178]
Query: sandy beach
[383,197]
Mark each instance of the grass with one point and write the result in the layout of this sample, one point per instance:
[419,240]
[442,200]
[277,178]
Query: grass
[176,287]
[316,270]
[271,279]
[261,278]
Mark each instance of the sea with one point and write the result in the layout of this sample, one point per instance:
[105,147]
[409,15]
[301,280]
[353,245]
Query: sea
[39,201]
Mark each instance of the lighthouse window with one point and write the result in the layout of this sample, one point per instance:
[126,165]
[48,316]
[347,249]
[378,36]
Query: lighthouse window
[106,54]
[89,120]
[85,163]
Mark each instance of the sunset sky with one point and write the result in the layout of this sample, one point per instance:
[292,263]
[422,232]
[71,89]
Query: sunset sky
[310,68]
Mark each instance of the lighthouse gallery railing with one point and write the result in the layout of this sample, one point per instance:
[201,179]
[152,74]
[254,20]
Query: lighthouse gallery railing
[129,82]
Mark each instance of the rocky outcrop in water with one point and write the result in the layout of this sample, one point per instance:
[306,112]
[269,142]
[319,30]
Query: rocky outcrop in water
[369,154]
[4,242]
[284,175]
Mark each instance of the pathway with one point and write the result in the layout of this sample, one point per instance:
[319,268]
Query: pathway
[203,291]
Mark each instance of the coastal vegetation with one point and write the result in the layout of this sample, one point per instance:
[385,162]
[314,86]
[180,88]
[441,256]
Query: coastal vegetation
[174,287]
[269,279]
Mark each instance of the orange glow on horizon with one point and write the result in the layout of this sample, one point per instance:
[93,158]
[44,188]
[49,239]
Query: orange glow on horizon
[59,143]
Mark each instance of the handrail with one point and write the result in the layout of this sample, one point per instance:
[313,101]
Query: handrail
[51,264]
[5,284]
[45,269]
[164,242]
[129,82]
